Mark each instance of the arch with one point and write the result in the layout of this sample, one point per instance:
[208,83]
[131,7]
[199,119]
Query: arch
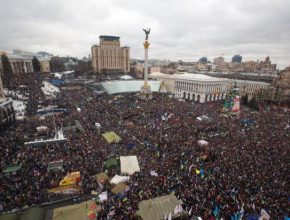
[188,96]
[193,97]
[198,98]
[206,97]
[214,97]
[184,95]
[218,97]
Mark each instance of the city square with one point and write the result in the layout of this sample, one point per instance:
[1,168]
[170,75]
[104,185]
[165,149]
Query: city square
[157,112]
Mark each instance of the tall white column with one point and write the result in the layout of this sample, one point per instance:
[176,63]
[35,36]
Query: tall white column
[146,45]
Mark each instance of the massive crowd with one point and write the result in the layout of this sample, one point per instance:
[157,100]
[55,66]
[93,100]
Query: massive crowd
[245,168]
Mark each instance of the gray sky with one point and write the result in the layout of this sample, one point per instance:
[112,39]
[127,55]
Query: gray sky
[180,29]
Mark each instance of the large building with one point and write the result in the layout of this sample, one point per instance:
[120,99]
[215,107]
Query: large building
[279,92]
[195,87]
[251,88]
[1,88]
[20,64]
[203,88]
[7,115]
[44,65]
[109,56]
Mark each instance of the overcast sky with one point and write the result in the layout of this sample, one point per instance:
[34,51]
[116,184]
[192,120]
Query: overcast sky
[180,29]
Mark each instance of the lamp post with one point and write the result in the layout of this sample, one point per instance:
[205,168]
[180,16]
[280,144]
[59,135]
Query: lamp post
[162,90]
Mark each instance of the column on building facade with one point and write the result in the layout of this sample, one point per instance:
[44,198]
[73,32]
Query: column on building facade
[25,67]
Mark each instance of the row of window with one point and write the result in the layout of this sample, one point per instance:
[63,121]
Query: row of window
[190,86]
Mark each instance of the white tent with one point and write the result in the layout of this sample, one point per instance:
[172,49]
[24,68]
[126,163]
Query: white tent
[119,179]
[129,164]
[202,143]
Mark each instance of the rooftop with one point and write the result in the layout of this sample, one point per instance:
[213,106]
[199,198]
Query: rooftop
[17,57]
[189,76]
[123,86]
[108,37]
[197,77]
[5,101]
[250,82]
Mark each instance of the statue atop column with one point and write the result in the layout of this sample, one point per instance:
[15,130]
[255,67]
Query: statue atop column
[146,92]
[147,32]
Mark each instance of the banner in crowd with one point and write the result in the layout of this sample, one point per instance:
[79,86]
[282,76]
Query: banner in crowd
[55,166]
[232,102]
[236,106]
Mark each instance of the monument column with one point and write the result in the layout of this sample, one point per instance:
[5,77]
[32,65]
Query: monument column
[146,46]
[146,92]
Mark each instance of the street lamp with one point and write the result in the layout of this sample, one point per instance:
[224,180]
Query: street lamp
[163,91]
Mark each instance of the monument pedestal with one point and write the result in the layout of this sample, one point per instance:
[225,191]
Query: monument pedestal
[145,92]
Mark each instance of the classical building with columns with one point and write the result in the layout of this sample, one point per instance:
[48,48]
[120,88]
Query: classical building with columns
[203,88]
[20,64]
[195,87]
[251,88]
[1,88]
[7,115]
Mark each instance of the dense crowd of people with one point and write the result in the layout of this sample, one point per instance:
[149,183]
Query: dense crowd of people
[244,168]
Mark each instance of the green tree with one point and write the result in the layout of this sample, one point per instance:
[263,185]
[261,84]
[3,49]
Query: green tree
[245,99]
[36,64]
[203,60]
[253,104]
[8,75]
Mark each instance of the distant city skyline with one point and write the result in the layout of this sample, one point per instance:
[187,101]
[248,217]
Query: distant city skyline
[180,30]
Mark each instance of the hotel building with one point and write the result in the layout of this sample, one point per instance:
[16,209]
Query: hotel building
[109,56]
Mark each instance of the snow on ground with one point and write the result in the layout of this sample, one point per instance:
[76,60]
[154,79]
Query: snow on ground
[49,89]
[15,94]
[19,109]
[60,74]
[126,77]
[57,75]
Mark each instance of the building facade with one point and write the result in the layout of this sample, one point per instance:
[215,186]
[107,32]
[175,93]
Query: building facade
[195,87]
[1,88]
[279,92]
[200,88]
[203,88]
[109,56]
[219,60]
[1,66]
[251,88]
[44,65]
[20,64]
[7,115]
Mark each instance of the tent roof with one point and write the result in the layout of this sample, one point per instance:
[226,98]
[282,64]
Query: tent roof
[157,208]
[111,162]
[34,213]
[129,164]
[12,168]
[29,214]
[14,216]
[111,137]
[78,211]
[119,188]
[102,177]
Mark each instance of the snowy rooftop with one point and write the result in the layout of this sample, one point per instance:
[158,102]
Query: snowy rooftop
[126,77]
[197,77]
[17,57]
[187,76]
[250,82]
[157,74]
[113,87]
[4,101]
[49,89]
